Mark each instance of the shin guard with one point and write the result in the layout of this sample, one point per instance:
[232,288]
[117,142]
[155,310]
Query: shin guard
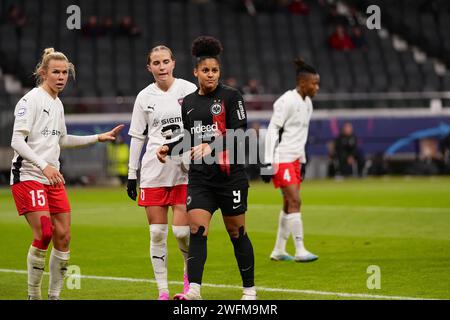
[197,255]
[243,250]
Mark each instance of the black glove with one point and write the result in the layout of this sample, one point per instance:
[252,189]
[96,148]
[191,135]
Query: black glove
[266,172]
[303,172]
[131,189]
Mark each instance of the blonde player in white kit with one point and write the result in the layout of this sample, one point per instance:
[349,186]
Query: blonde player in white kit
[157,115]
[289,127]
[36,183]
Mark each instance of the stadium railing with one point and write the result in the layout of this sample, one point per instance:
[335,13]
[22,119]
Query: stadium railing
[323,101]
[374,126]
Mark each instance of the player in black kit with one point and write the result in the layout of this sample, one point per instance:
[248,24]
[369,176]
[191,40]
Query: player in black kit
[207,114]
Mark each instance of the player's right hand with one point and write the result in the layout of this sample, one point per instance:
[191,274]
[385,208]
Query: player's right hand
[161,153]
[131,189]
[266,172]
[53,175]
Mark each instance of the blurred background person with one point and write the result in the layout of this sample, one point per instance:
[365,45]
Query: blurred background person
[108,26]
[334,18]
[128,28]
[357,37]
[92,28]
[253,87]
[118,154]
[430,159]
[232,82]
[16,17]
[348,153]
[298,7]
[445,149]
[339,40]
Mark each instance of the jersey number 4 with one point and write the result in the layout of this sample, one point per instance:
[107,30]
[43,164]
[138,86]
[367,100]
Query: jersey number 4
[286,175]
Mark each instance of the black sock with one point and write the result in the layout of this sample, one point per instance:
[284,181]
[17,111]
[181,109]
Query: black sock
[243,250]
[197,255]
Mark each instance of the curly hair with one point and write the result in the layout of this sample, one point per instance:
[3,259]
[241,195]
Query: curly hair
[206,47]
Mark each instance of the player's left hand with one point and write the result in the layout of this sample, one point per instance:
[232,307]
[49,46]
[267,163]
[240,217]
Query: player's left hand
[303,172]
[110,135]
[266,172]
[200,151]
[131,189]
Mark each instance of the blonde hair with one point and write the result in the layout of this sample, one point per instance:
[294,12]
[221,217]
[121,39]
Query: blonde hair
[157,48]
[48,55]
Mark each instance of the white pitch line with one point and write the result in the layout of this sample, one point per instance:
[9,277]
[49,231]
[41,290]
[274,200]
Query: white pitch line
[226,286]
[359,208]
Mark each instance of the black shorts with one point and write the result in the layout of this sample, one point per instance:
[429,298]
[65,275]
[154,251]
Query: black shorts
[232,201]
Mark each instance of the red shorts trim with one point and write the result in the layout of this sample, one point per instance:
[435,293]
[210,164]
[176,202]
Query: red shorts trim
[288,173]
[163,196]
[32,196]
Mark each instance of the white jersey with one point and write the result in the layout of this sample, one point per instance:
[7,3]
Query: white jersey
[156,114]
[40,118]
[291,117]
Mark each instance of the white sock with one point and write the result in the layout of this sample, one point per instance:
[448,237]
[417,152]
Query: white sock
[182,234]
[282,233]
[194,288]
[158,255]
[35,266]
[59,261]
[250,291]
[295,227]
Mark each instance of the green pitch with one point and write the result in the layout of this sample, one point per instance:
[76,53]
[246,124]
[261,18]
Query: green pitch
[401,225]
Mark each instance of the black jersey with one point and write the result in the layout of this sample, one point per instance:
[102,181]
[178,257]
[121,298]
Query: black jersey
[207,118]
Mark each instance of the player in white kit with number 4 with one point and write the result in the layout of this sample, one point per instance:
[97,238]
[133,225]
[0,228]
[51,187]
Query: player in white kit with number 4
[284,161]
[157,115]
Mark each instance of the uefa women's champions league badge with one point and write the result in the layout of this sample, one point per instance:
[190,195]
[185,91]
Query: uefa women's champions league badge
[216,108]
[21,112]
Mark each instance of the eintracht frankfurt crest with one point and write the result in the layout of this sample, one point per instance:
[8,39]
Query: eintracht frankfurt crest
[216,108]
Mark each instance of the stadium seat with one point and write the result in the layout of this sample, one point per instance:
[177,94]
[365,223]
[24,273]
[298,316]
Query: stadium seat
[261,47]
